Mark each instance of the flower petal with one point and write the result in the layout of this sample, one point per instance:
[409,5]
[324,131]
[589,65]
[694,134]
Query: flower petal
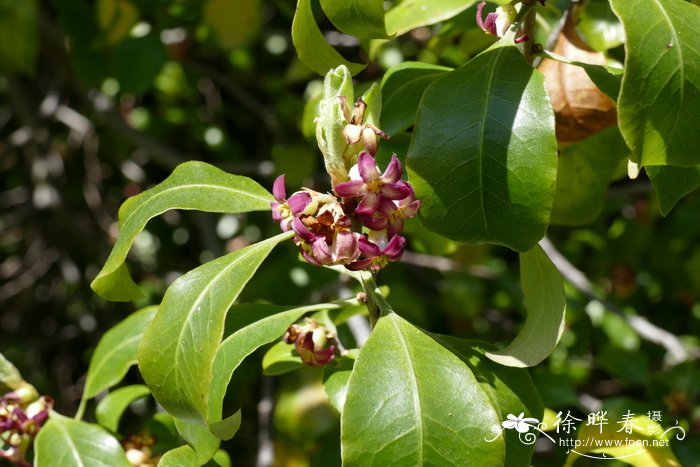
[278,190]
[344,247]
[321,251]
[374,222]
[395,191]
[393,171]
[395,248]
[359,265]
[351,189]
[368,248]
[367,167]
[301,230]
[298,201]
[369,204]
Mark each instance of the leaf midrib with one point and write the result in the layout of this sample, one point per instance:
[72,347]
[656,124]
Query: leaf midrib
[681,70]
[194,305]
[482,134]
[414,385]
[63,430]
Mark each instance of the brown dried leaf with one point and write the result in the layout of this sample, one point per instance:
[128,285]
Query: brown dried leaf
[580,108]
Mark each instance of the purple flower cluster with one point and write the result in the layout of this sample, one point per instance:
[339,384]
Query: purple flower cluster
[360,227]
[19,424]
[314,344]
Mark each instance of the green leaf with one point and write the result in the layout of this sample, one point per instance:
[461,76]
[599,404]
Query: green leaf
[234,21]
[584,173]
[510,391]
[402,88]
[257,325]
[184,456]
[672,183]
[336,377]
[312,48]
[116,352]
[19,35]
[200,438]
[483,156]
[359,18]
[192,185]
[281,358]
[10,376]
[411,14]
[64,442]
[178,348]
[660,95]
[410,401]
[110,409]
[545,302]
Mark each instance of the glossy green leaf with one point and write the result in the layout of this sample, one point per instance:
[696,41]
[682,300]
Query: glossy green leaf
[192,185]
[19,35]
[233,21]
[359,18]
[510,391]
[402,88]
[199,438]
[483,157]
[545,303]
[336,377]
[65,442]
[116,352]
[10,376]
[410,14]
[184,456]
[584,173]
[660,95]
[281,358]
[312,48]
[410,401]
[110,409]
[672,183]
[257,325]
[178,348]
[222,459]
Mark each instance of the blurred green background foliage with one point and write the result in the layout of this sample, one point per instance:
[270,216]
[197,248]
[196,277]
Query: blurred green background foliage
[101,99]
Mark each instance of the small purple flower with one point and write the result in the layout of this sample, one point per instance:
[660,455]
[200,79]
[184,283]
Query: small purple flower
[498,22]
[377,252]
[284,210]
[372,185]
[316,250]
[391,215]
[315,344]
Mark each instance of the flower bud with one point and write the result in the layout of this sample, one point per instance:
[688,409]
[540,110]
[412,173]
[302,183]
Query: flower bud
[313,342]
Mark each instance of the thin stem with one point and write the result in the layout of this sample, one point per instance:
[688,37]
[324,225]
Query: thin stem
[377,305]
[81,408]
